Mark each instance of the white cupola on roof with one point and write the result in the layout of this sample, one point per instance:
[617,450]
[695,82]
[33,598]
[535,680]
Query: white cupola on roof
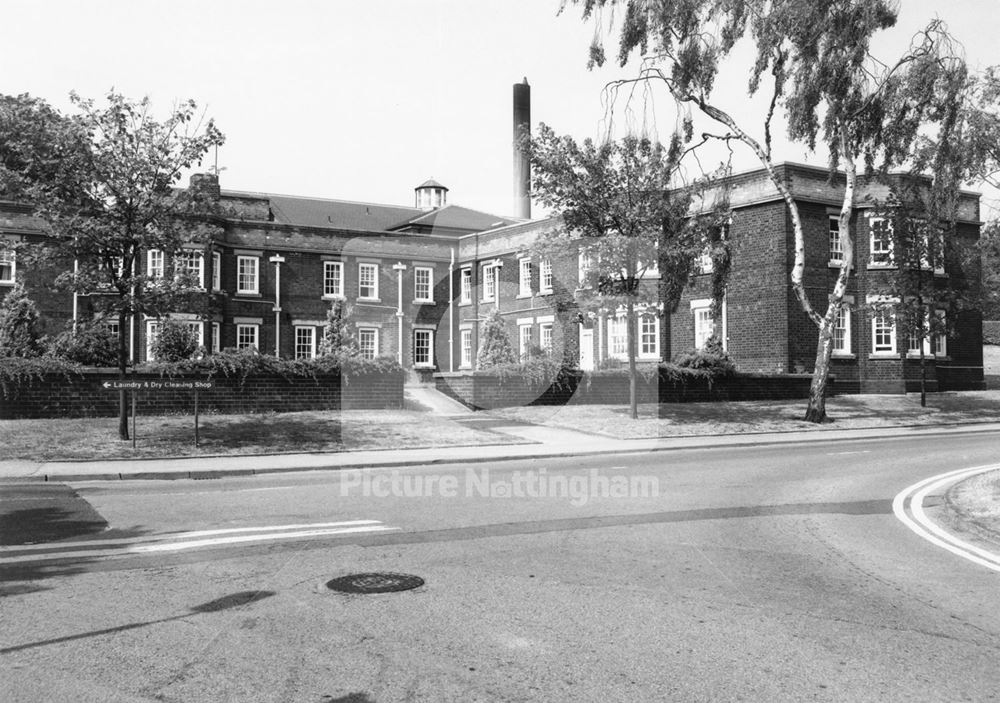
[430,195]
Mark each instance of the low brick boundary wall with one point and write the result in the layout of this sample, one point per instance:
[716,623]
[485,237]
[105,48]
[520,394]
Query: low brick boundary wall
[83,395]
[481,390]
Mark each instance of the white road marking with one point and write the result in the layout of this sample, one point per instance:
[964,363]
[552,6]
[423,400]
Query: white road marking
[185,540]
[929,530]
[866,451]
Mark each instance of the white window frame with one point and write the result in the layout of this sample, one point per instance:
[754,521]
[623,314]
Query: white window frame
[585,262]
[155,264]
[152,329]
[216,337]
[836,245]
[191,261]
[617,337]
[369,270]
[647,351]
[879,315]
[524,339]
[940,340]
[305,342]
[545,279]
[545,337]
[368,351]
[8,265]
[704,325]
[423,292]
[427,362]
[465,359]
[886,256]
[216,271]
[465,286]
[524,278]
[489,283]
[842,322]
[242,328]
[247,275]
[333,285]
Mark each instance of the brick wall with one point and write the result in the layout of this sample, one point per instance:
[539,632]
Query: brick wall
[83,395]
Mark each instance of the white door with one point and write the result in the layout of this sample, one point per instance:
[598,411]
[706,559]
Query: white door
[586,348]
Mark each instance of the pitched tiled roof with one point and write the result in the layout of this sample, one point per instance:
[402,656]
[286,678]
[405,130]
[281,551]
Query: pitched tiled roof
[371,217]
[454,217]
[345,214]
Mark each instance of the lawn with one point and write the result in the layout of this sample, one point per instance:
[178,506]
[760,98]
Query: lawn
[267,433]
[845,412]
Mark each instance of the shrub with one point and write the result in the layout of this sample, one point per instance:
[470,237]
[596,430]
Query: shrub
[497,349]
[337,339]
[247,362]
[174,341]
[19,324]
[16,372]
[92,344]
[711,358]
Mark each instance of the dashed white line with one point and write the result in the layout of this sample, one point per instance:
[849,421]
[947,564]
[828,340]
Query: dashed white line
[184,540]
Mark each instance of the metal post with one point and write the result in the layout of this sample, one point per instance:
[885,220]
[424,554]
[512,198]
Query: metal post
[134,393]
[195,417]
[399,267]
[277,260]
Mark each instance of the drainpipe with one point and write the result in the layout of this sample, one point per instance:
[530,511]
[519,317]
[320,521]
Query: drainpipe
[76,271]
[399,267]
[497,265]
[277,260]
[451,314]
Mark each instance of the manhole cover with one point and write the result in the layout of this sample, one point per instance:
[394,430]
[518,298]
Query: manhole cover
[374,583]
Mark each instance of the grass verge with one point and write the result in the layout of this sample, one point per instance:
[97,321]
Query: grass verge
[267,433]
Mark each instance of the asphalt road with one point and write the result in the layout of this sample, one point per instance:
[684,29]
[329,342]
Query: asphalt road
[763,574]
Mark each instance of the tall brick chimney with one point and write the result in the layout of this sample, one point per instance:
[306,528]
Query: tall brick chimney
[522,166]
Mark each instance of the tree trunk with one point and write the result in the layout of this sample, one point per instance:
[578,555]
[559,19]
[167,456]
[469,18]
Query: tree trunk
[816,410]
[630,337]
[923,376]
[122,368]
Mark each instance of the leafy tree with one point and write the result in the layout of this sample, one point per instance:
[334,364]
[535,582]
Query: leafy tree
[174,341]
[496,348]
[90,344]
[989,247]
[19,324]
[104,182]
[621,206]
[337,338]
[812,59]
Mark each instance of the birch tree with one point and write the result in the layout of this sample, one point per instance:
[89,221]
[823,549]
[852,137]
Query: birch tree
[812,61]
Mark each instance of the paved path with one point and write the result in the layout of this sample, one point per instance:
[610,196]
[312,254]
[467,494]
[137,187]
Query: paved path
[548,442]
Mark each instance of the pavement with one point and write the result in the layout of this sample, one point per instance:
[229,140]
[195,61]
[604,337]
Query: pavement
[544,442]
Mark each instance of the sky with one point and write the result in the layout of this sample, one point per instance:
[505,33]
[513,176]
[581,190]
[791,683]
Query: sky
[366,100]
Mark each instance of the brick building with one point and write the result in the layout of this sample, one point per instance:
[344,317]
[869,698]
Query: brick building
[417,282]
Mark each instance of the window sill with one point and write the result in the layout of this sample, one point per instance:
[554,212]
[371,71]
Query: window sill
[423,366]
[369,300]
[834,264]
[843,355]
[464,304]
[522,296]
[487,300]
[915,356]
[873,266]
[423,302]
[333,296]
[883,356]
[6,283]
[247,294]
[545,292]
